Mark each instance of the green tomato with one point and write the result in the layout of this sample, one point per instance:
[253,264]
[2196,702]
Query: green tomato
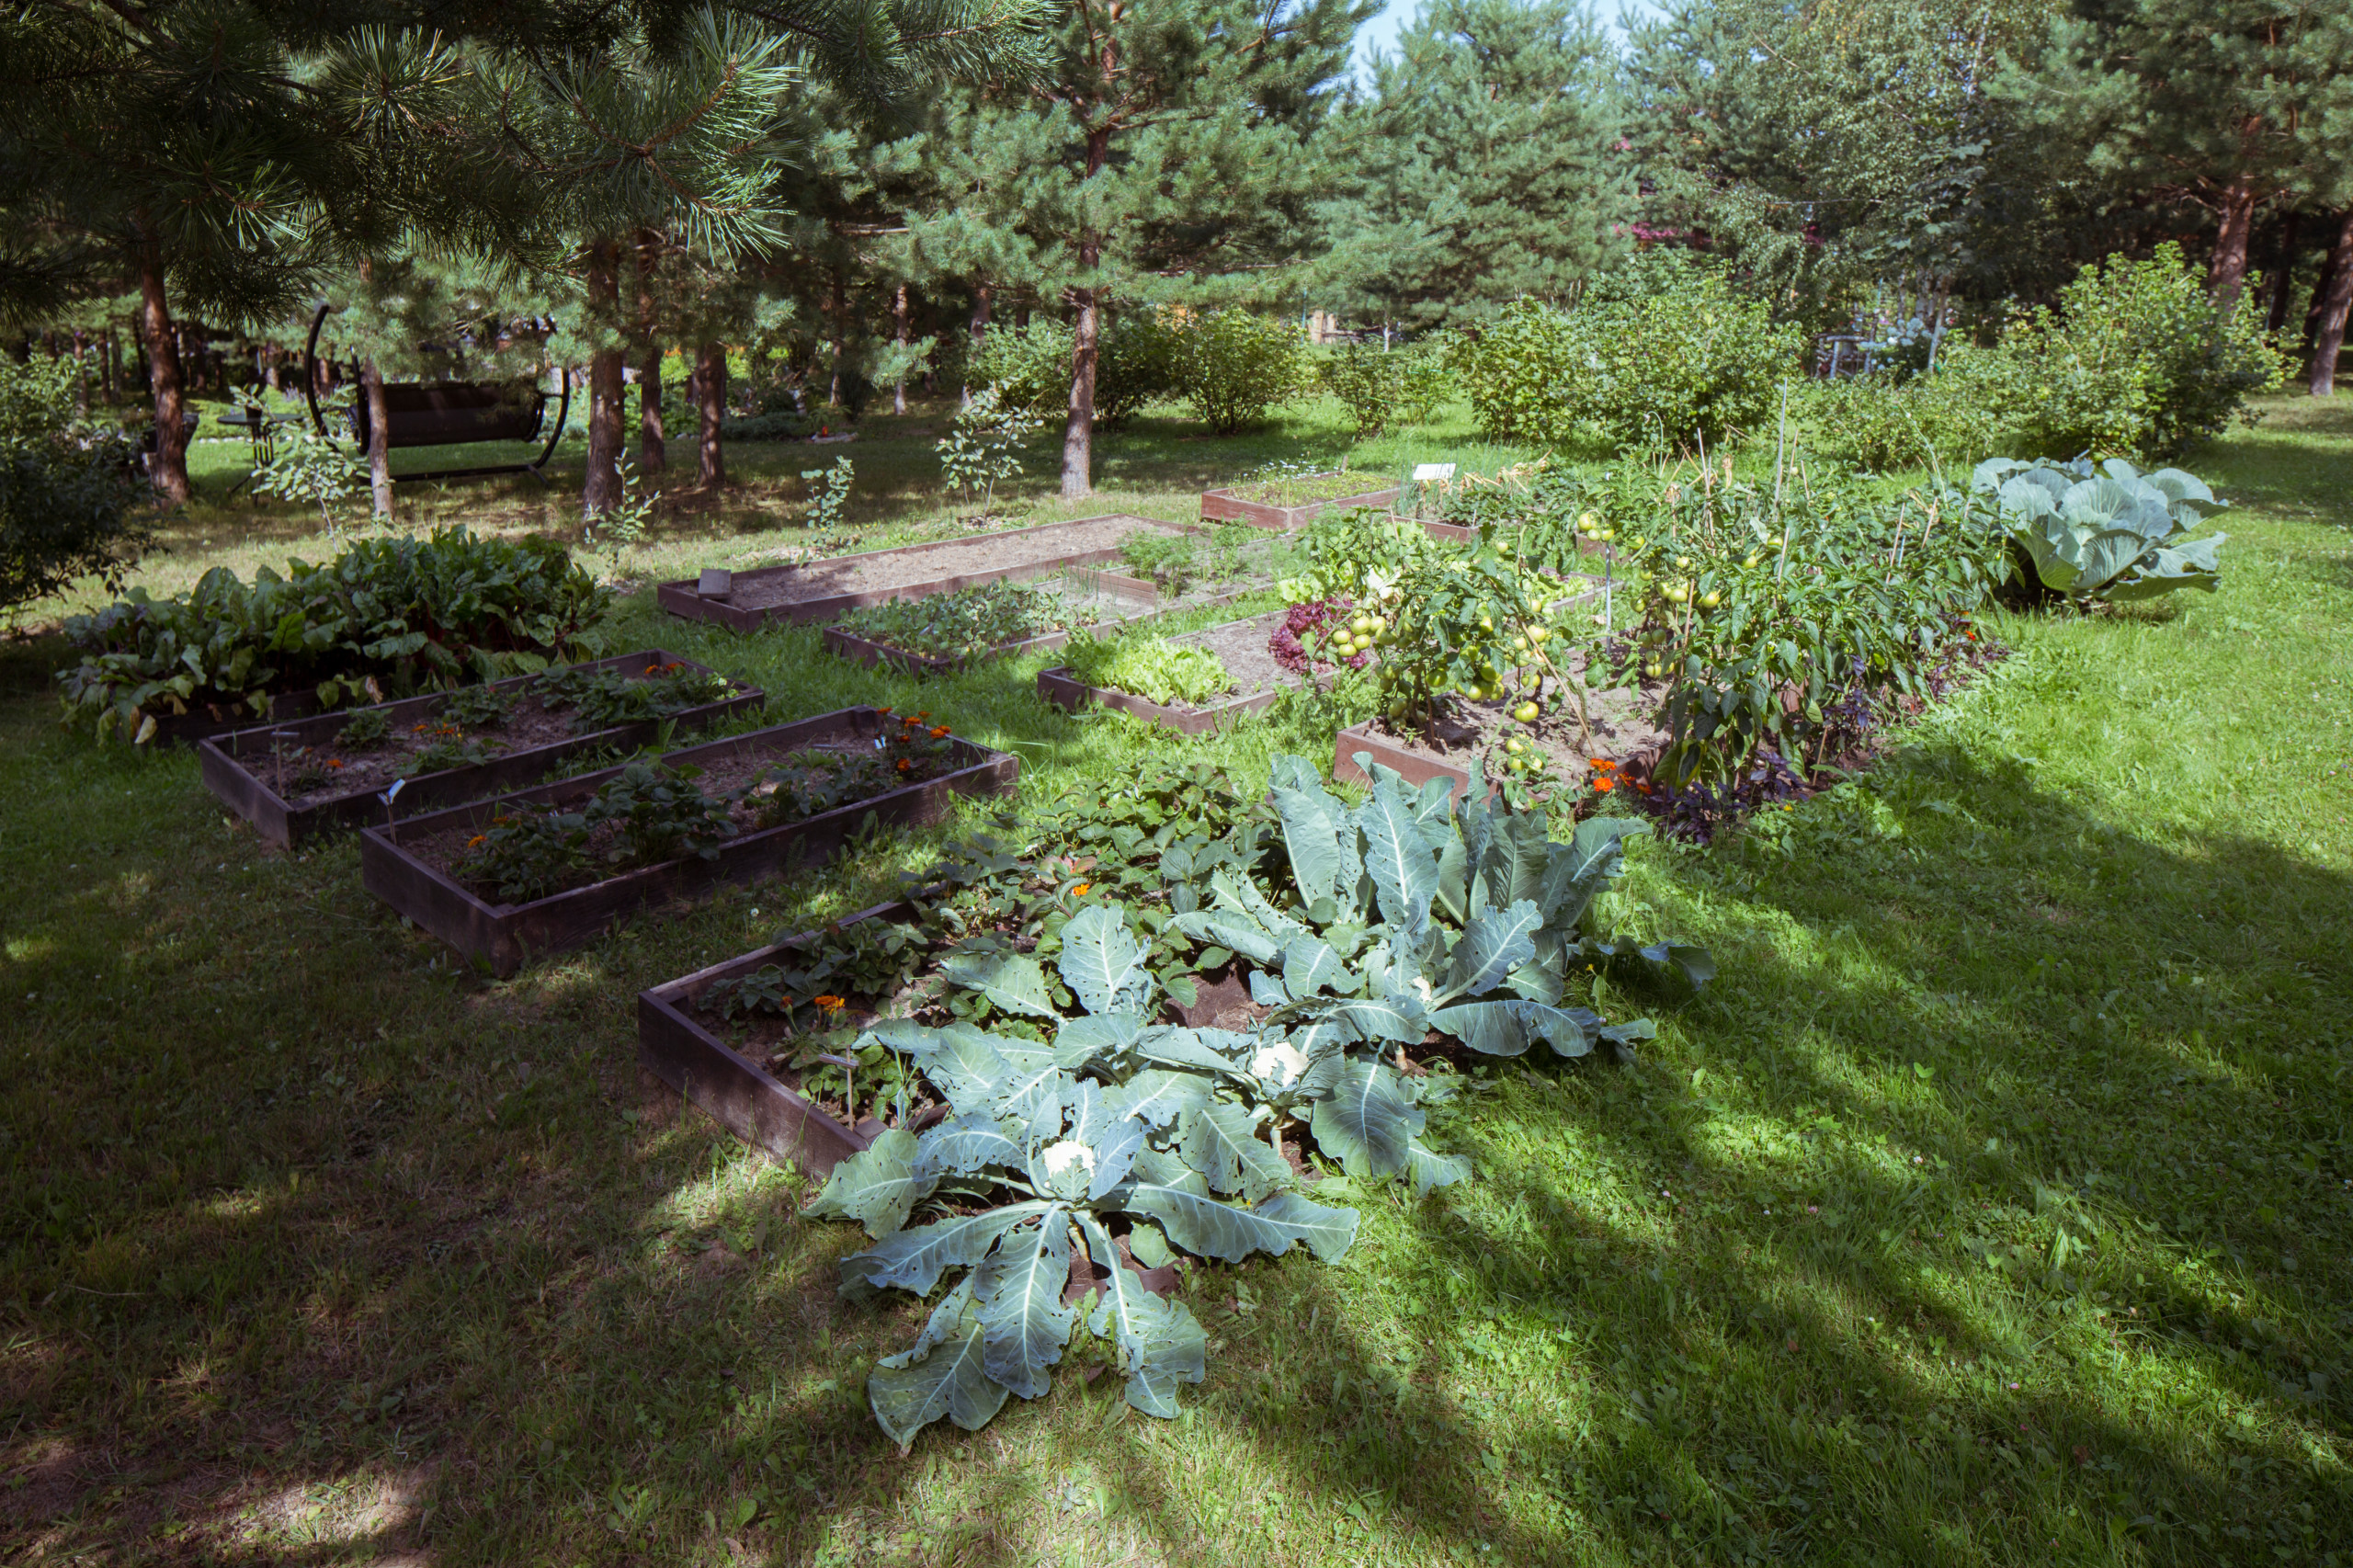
[1514,745]
[1538,635]
[1360,625]
[1527,713]
[1475,692]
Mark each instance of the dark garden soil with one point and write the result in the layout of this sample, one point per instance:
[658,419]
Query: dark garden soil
[886,570]
[1241,647]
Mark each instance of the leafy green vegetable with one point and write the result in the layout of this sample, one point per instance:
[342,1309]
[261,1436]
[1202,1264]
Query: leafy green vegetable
[2110,534]
[1151,667]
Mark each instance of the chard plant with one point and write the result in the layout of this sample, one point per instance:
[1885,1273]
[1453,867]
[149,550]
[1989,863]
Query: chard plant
[2105,535]
[1083,1124]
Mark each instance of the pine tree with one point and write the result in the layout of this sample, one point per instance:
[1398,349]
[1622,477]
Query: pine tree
[163,147]
[1479,169]
[2228,106]
[1167,149]
[1830,148]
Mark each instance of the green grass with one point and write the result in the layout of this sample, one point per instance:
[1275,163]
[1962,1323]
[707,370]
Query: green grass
[1992,1208]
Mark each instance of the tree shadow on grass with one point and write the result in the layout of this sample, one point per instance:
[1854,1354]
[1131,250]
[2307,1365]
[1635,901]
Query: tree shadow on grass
[429,1230]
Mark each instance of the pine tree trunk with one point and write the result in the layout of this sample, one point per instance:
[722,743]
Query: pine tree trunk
[1078,432]
[380,441]
[2334,305]
[841,336]
[899,335]
[2226,272]
[653,454]
[602,490]
[167,468]
[2336,261]
[711,397]
[2283,281]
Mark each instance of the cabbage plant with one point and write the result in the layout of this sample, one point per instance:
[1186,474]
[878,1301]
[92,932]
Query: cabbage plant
[1082,1121]
[2107,534]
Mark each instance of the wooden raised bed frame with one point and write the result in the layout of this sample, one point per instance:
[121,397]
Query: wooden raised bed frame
[506,936]
[225,758]
[681,599]
[1224,506]
[1058,686]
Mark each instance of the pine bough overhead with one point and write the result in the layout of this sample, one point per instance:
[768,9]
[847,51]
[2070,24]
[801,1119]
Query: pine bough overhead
[1361,931]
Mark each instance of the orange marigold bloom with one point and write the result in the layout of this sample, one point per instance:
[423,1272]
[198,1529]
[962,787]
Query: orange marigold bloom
[937,730]
[1601,765]
[831,1004]
[475,842]
[1603,786]
[653,669]
[885,709]
[905,765]
[1080,891]
[334,762]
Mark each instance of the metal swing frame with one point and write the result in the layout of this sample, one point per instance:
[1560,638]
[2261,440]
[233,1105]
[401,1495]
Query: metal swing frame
[533,468]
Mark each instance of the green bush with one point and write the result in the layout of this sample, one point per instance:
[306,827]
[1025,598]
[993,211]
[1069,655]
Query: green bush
[1233,366]
[2137,362]
[1661,357]
[69,490]
[1881,422]
[1382,388]
[1029,367]
[387,618]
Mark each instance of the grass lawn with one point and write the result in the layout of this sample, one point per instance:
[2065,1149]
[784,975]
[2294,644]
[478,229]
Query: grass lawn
[1992,1206]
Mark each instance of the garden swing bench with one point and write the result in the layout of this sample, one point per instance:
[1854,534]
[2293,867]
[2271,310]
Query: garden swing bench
[449,414]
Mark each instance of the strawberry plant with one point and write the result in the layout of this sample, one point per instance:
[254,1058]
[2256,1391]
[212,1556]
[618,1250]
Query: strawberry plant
[364,731]
[603,698]
[443,755]
[660,813]
[529,851]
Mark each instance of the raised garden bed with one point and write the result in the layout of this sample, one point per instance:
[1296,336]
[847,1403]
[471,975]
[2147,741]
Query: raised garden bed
[410,865]
[1237,504]
[1240,645]
[260,773]
[823,590]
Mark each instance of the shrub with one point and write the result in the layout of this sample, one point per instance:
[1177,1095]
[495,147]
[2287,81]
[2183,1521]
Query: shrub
[387,618]
[1233,366]
[69,490]
[1668,360]
[1882,422]
[1029,367]
[979,450]
[2136,361]
[1383,388]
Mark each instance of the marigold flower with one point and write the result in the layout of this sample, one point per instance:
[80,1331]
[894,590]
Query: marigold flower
[334,762]
[475,842]
[885,709]
[1601,765]
[905,765]
[937,730]
[830,1003]
[653,669]
[1080,891]
[1603,786]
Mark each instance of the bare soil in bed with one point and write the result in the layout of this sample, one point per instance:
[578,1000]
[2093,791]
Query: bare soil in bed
[1622,719]
[1241,647]
[886,570]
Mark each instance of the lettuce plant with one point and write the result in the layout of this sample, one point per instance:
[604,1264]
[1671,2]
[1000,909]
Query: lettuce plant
[1082,1123]
[2106,535]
